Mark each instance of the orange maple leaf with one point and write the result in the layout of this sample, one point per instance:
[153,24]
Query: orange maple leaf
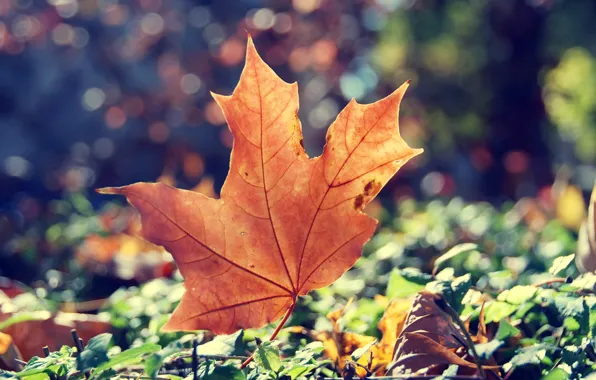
[285,224]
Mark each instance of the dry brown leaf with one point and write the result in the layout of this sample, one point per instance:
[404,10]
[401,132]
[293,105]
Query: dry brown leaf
[430,342]
[391,325]
[9,354]
[339,345]
[52,330]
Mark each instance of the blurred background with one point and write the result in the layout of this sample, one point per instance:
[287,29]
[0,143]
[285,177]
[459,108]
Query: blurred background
[100,93]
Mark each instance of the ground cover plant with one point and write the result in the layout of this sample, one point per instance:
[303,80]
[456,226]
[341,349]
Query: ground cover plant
[443,289]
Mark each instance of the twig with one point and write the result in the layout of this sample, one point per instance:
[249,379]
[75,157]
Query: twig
[444,305]
[274,335]
[78,342]
[195,360]
[46,351]
[558,280]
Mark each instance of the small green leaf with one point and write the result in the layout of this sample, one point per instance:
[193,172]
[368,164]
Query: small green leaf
[95,353]
[154,362]
[406,282]
[36,367]
[561,263]
[518,294]
[132,355]
[556,374]
[223,345]
[449,373]
[309,351]
[210,371]
[506,330]
[453,252]
[530,355]
[574,308]
[357,354]
[267,356]
[486,350]
[495,311]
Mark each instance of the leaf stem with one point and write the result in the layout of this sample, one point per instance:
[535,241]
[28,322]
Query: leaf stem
[444,305]
[274,335]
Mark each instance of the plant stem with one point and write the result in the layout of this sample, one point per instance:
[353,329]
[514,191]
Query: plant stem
[274,335]
[444,305]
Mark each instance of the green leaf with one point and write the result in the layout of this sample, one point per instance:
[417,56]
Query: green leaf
[585,281]
[532,355]
[460,287]
[496,311]
[298,371]
[154,362]
[223,345]
[309,352]
[406,282]
[453,252]
[561,263]
[208,370]
[267,356]
[575,308]
[486,350]
[358,353]
[95,353]
[37,365]
[452,291]
[556,374]
[518,294]
[132,355]
[506,330]
[449,373]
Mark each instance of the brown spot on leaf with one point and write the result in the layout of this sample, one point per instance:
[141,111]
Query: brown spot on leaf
[358,202]
[372,187]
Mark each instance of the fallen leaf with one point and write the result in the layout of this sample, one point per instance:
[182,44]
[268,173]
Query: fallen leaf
[586,241]
[285,224]
[52,330]
[391,325]
[9,354]
[430,342]
[340,346]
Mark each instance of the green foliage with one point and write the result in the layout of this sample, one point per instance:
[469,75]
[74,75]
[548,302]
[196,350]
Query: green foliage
[58,363]
[224,345]
[95,353]
[404,283]
[538,322]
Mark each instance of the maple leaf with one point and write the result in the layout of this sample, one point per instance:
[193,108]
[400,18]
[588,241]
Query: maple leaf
[285,224]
